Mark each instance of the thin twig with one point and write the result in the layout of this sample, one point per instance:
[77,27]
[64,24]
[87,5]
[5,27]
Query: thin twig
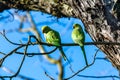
[16,72]
[83,68]
[25,51]
[99,58]
[8,39]
[110,76]
[33,54]
[11,72]
[49,76]
[19,66]
[10,53]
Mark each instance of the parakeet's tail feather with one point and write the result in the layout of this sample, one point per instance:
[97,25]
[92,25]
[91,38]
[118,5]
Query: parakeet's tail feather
[63,54]
[82,47]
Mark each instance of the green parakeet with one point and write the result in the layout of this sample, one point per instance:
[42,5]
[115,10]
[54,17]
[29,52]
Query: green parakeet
[53,37]
[78,37]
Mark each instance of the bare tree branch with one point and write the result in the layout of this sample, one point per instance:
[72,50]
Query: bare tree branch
[36,32]
[19,75]
[34,53]
[110,76]
[14,75]
[49,76]
[75,73]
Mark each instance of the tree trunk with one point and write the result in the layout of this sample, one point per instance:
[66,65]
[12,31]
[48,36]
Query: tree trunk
[100,17]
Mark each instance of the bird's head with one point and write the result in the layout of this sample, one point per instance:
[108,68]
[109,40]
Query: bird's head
[77,26]
[45,29]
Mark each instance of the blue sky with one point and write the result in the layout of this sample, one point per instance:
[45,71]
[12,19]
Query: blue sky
[34,67]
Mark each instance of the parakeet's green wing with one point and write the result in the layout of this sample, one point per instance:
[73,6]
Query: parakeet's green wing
[53,37]
[78,36]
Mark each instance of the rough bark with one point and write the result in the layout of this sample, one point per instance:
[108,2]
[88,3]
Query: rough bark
[100,17]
